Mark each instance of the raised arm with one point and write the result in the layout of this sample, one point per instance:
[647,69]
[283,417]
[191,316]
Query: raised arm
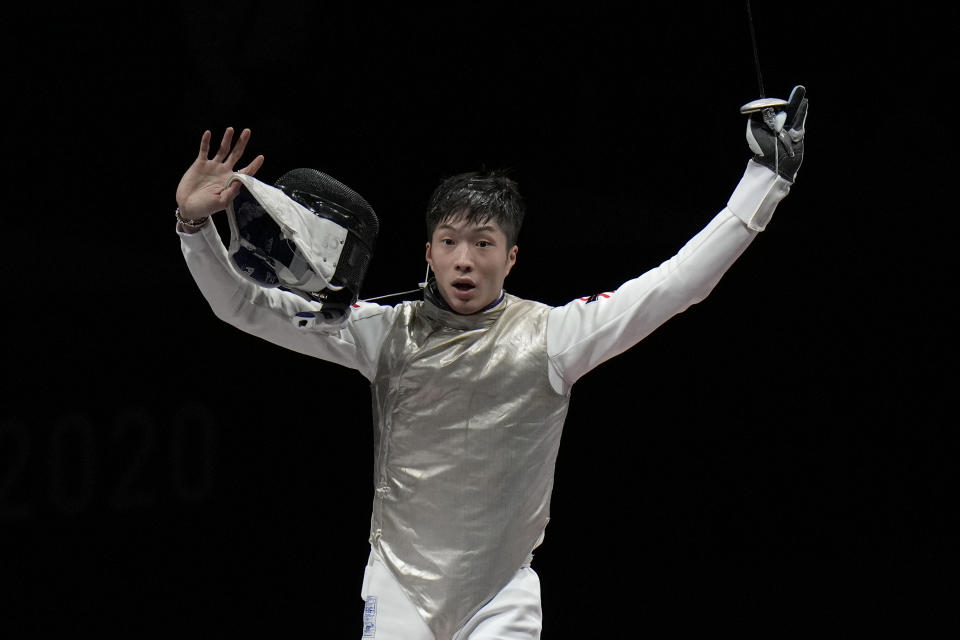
[268,313]
[589,331]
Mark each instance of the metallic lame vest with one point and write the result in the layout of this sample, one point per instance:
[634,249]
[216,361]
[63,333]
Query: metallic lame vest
[467,429]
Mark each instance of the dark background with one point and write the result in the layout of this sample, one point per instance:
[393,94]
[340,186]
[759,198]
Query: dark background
[778,457]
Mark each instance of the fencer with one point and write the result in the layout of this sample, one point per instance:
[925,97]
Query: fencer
[471,384]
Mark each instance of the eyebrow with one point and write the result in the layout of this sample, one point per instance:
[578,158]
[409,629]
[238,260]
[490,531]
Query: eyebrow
[484,229]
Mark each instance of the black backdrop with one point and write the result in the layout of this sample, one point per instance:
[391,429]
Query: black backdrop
[779,456]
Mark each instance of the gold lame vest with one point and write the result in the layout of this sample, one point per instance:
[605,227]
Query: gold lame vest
[467,429]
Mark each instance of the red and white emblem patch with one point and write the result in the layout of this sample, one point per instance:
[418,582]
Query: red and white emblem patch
[595,297]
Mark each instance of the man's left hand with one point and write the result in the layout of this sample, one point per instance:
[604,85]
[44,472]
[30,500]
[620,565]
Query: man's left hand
[776,138]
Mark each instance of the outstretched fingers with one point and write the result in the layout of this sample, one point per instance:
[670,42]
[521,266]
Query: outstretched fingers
[224,145]
[254,166]
[800,120]
[796,101]
[204,145]
[238,150]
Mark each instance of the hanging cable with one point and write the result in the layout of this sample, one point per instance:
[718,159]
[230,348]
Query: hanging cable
[756,50]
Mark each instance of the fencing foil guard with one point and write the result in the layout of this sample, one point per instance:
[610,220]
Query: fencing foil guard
[309,234]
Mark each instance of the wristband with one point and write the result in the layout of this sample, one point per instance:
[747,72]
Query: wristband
[194,224]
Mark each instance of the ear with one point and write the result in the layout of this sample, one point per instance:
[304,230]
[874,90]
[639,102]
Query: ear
[429,257]
[511,259]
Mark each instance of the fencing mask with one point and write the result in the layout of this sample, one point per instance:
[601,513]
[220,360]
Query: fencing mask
[309,234]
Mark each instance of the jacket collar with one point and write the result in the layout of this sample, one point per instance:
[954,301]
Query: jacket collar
[437,309]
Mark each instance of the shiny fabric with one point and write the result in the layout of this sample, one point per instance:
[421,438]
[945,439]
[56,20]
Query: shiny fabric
[467,433]
[515,613]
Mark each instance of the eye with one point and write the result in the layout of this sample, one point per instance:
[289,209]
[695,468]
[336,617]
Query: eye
[448,242]
[484,243]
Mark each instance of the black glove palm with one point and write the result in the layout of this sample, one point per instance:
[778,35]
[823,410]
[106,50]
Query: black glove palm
[776,138]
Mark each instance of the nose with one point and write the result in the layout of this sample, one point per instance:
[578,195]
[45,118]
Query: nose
[463,259]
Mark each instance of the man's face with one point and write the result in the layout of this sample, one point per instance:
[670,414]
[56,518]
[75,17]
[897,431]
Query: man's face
[470,261]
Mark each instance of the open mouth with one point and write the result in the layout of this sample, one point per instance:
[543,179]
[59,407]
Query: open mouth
[464,287]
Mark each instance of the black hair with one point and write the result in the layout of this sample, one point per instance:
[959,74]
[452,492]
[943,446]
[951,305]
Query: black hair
[479,197]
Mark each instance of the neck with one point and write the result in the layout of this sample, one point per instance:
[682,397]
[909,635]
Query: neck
[432,293]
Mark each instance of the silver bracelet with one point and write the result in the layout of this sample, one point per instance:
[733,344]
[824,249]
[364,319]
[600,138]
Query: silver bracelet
[195,224]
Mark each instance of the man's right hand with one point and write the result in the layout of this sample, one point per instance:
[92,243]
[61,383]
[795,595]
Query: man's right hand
[202,190]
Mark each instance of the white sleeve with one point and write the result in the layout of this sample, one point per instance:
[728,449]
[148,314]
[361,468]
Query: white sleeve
[269,313]
[588,331]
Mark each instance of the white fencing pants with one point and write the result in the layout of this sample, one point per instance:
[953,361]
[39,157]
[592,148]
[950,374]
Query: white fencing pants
[513,614]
